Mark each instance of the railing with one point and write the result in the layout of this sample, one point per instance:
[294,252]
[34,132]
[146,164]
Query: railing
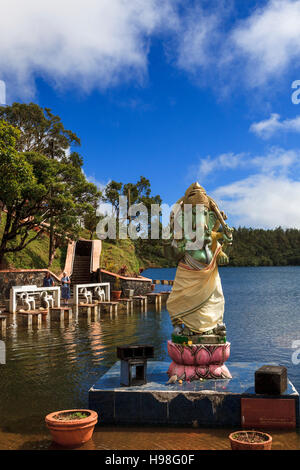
[15,291]
[92,287]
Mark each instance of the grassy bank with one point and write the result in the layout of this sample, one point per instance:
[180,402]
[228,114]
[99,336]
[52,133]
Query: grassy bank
[35,255]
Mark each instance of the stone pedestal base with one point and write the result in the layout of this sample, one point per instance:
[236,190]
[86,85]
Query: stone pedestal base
[199,361]
[206,404]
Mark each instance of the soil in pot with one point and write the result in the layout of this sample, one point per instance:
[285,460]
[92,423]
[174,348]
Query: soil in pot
[70,416]
[250,440]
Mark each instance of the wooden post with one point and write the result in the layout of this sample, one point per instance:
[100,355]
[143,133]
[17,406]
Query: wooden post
[3,324]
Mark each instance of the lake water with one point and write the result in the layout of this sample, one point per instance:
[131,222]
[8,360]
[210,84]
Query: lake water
[53,368]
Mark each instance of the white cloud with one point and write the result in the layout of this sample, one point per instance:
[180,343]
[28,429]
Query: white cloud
[219,48]
[276,160]
[268,40]
[100,185]
[98,44]
[224,161]
[273,125]
[268,196]
[196,34]
[261,201]
[2,92]
[89,44]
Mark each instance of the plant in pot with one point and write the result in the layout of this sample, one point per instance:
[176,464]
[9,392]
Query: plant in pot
[71,428]
[250,440]
[116,293]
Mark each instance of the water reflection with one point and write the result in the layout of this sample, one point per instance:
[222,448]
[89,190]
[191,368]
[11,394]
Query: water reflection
[53,367]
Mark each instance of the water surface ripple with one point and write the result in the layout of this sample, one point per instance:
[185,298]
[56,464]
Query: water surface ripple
[54,367]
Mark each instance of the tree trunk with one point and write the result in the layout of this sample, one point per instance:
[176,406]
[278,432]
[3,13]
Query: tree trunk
[2,251]
[52,249]
[51,242]
[1,259]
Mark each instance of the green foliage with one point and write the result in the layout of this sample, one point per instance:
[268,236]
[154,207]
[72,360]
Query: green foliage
[117,284]
[16,174]
[40,130]
[258,247]
[42,186]
[136,193]
[112,194]
[115,255]
[91,221]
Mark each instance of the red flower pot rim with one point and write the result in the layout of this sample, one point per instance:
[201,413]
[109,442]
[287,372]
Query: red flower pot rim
[263,443]
[92,416]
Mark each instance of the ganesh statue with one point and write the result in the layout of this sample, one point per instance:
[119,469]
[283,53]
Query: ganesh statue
[199,240]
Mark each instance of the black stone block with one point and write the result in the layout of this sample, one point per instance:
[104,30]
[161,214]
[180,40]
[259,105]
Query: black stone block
[104,405]
[135,352]
[181,410]
[127,408]
[271,380]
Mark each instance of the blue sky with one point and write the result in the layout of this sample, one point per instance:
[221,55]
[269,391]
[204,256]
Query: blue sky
[177,91]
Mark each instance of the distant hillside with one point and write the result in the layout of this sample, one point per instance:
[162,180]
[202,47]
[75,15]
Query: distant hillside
[251,247]
[258,247]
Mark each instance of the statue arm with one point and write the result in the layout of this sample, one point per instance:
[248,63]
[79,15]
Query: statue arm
[222,258]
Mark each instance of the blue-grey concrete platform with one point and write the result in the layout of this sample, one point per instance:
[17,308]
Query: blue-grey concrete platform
[209,403]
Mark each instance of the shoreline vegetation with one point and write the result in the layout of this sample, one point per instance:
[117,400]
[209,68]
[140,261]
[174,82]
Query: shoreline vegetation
[251,248]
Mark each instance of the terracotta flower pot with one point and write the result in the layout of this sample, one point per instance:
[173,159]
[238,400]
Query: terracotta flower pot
[116,294]
[152,287]
[237,444]
[71,432]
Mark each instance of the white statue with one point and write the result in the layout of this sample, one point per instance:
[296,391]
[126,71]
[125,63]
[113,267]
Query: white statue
[46,300]
[99,293]
[27,301]
[87,295]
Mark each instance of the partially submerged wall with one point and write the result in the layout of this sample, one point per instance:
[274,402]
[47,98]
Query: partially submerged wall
[141,285]
[22,277]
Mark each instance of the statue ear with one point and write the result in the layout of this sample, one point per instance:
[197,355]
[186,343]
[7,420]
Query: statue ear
[212,219]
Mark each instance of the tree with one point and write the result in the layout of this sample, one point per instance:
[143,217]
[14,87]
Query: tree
[36,190]
[16,172]
[22,199]
[111,195]
[39,130]
[43,133]
[136,193]
[91,221]
[71,197]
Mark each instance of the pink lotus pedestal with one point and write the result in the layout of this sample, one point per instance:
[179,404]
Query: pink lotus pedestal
[199,361]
